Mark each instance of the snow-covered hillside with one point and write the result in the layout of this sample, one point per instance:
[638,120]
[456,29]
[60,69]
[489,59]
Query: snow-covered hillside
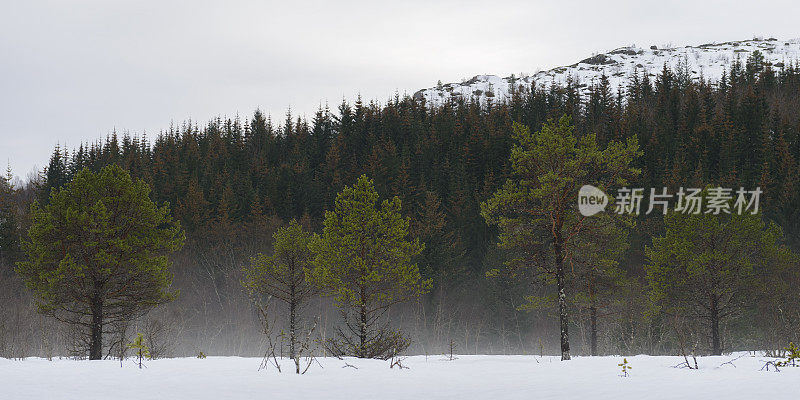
[707,61]
[467,377]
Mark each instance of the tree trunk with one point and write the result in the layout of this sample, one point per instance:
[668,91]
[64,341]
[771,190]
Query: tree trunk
[293,333]
[562,297]
[362,336]
[714,316]
[292,324]
[593,324]
[96,339]
[592,315]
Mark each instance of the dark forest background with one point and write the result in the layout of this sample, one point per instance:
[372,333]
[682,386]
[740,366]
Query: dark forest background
[232,182]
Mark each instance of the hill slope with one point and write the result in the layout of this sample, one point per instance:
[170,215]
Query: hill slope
[707,61]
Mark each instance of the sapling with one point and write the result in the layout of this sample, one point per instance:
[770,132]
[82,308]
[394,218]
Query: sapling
[625,367]
[792,356]
[140,347]
[453,345]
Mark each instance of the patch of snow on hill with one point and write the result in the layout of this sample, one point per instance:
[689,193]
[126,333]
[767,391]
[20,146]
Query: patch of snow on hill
[707,61]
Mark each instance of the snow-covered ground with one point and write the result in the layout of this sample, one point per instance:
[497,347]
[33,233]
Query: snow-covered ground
[707,61]
[434,377]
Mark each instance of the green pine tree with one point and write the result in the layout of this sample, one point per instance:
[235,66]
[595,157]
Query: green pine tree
[364,260]
[595,269]
[706,266]
[98,253]
[792,356]
[282,275]
[140,347]
[536,209]
[625,367]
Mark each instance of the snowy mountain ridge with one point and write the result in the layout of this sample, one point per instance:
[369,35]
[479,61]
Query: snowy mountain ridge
[707,61]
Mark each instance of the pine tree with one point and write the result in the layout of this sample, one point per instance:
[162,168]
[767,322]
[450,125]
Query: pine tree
[97,253]
[282,275]
[140,347]
[792,356]
[537,209]
[625,367]
[705,266]
[595,266]
[364,260]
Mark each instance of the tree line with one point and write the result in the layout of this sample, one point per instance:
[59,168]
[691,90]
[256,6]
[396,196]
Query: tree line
[231,183]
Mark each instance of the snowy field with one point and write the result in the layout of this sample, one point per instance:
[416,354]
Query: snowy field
[467,377]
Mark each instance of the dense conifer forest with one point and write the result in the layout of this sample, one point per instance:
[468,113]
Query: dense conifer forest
[232,182]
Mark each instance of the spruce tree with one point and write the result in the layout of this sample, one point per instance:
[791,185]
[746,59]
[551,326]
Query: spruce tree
[9,229]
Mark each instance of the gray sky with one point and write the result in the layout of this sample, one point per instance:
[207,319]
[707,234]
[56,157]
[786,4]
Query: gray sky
[73,71]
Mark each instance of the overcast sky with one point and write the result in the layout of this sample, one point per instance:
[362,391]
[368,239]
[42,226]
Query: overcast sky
[73,71]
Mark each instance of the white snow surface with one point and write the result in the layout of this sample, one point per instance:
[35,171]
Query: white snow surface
[434,377]
[707,61]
